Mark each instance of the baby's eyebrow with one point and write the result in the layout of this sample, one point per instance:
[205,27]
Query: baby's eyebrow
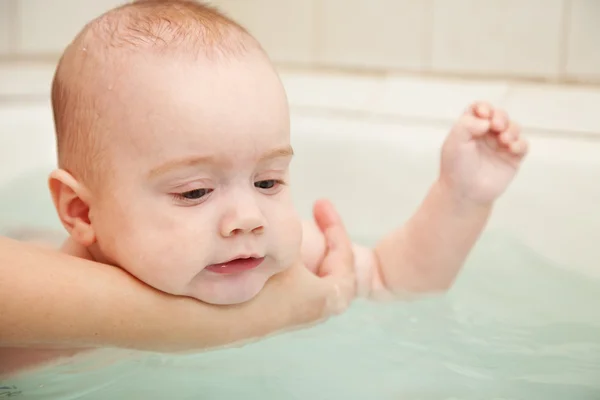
[182,162]
[280,152]
[197,160]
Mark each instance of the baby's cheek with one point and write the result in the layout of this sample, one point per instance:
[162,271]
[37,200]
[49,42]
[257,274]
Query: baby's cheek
[288,233]
[137,250]
[161,263]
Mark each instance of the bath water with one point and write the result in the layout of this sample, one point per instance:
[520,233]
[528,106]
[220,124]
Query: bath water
[514,326]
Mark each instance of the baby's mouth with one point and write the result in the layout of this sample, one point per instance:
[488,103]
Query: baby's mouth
[236,265]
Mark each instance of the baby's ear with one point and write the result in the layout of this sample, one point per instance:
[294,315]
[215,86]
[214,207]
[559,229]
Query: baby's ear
[71,200]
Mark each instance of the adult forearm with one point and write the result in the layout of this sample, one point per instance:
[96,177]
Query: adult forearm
[427,253]
[53,300]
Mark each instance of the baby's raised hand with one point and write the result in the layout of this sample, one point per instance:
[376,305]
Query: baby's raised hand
[482,154]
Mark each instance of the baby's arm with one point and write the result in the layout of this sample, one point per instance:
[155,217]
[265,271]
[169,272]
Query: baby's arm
[479,159]
[427,253]
[423,255]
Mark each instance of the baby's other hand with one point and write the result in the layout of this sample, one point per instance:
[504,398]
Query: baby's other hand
[482,154]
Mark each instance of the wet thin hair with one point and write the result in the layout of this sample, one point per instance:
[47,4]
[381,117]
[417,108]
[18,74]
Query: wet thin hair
[177,28]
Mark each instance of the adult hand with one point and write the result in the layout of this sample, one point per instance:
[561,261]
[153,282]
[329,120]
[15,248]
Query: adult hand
[49,299]
[337,269]
[313,297]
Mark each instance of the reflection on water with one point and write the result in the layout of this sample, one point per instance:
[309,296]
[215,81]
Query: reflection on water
[513,327]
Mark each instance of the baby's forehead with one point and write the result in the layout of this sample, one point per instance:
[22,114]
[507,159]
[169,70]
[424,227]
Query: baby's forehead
[169,105]
[157,87]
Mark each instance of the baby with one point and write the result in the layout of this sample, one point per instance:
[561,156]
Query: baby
[174,151]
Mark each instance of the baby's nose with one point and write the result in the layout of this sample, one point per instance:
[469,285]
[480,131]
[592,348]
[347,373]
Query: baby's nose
[243,219]
[244,228]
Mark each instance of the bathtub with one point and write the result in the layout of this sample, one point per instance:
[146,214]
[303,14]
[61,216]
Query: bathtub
[522,319]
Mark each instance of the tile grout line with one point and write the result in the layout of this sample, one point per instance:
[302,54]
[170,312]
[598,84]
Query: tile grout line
[13,28]
[427,61]
[316,31]
[565,33]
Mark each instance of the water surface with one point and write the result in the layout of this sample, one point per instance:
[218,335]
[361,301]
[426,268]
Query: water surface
[513,327]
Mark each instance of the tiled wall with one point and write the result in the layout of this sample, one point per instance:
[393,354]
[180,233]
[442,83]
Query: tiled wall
[557,40]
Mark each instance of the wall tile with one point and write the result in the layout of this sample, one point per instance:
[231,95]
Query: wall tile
[5,34]
[583,54]
[374,34]
[47,27]
[499,37]
[331,91]
[283,27]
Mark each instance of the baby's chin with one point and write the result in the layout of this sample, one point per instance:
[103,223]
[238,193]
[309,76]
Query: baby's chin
[231,289]
[227,299]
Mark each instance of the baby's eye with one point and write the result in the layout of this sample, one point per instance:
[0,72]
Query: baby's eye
[270,184]
[195,194]
[192,197]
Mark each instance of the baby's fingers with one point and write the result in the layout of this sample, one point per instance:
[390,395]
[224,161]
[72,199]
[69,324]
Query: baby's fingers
[511,140]
[519,147]
[470,126]
[480,109]
[510,135]
[500,121]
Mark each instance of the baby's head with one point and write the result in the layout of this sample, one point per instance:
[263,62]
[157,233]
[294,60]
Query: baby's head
[174,147]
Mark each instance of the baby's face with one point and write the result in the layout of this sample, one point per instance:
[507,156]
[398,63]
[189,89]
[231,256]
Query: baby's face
[200,156]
